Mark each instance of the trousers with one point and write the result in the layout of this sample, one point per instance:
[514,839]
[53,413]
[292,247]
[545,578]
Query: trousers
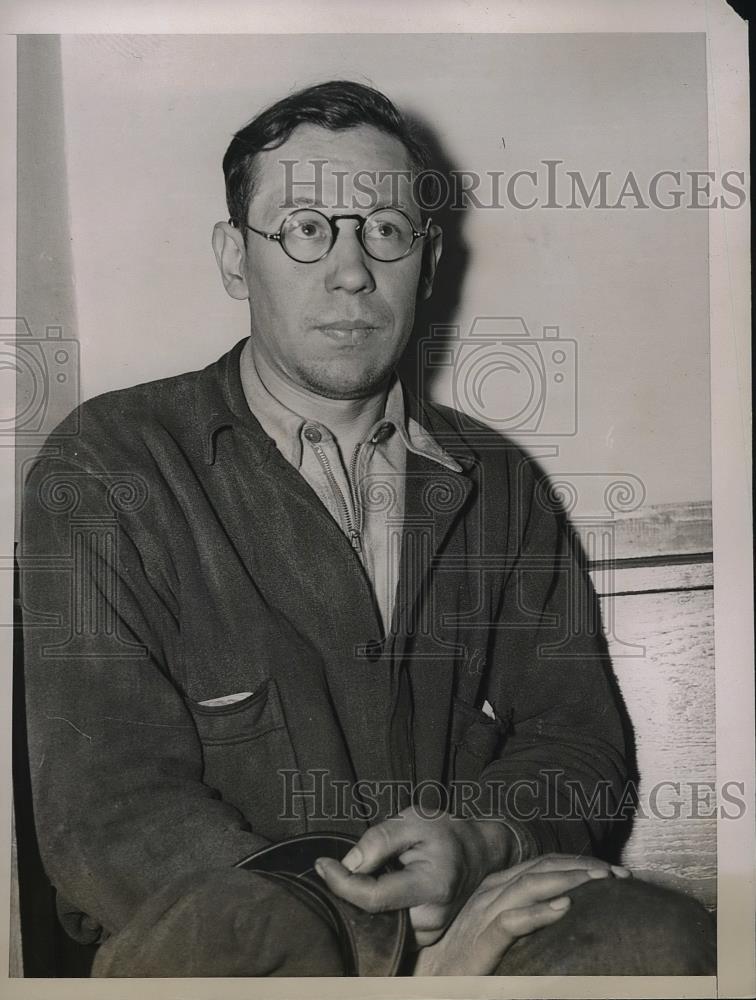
[237,923]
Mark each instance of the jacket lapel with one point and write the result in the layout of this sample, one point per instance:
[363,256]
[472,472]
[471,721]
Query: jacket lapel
[436,502]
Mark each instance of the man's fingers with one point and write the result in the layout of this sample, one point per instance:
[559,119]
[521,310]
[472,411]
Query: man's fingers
[563,862]
[380,843]
[513,924]
[423,939]
[537,887]
[549,863]
[392,891]
[428,921]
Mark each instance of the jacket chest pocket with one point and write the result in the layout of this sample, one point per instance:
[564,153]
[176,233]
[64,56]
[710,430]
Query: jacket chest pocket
[245,748]
[475,741]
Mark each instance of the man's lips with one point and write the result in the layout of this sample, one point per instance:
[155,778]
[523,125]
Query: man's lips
[348,324]
[348,332]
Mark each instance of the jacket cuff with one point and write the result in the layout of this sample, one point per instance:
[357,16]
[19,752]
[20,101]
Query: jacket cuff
[531,839]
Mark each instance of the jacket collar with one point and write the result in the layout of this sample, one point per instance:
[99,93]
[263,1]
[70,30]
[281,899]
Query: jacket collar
[445,426]
[431,431]
[222,404]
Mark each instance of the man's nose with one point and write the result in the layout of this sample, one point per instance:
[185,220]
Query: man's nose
[348,266]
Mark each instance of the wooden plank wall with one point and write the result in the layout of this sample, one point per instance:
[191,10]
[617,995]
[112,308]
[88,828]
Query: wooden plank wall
[656,595]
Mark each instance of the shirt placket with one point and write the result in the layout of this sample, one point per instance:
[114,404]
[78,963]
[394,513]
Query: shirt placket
[341,494]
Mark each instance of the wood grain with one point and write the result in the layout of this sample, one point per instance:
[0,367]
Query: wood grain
[631,579]
[663,657]
[665,529]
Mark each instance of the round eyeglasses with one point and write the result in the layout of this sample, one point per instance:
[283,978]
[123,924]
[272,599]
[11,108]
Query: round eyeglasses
[307,235]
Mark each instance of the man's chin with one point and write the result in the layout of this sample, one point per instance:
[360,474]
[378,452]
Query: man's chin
[335,384]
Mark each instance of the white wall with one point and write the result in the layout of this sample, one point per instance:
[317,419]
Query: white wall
[147,120]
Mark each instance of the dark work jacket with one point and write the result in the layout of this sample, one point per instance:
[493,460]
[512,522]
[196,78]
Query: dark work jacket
[170,555]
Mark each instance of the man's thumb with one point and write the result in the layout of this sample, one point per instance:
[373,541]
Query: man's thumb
[353,860]
[379,844]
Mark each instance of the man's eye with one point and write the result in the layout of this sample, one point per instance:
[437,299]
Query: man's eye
[307,230]
[386,230]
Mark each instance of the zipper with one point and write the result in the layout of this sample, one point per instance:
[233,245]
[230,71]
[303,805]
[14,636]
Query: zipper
[353,525]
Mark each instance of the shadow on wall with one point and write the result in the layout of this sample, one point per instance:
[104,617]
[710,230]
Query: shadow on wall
[441,309]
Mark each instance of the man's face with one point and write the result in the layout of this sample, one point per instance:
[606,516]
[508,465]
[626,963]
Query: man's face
[336,327]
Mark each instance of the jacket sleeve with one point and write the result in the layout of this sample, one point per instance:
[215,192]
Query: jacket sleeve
[561,773]
[115,760]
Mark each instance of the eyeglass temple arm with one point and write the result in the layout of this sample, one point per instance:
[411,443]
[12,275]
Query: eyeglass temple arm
[246,225]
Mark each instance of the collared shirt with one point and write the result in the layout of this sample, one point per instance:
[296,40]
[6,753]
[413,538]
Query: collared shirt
[367,499]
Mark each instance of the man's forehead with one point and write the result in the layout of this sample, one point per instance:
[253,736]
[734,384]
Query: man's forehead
[361,145]
[321,167]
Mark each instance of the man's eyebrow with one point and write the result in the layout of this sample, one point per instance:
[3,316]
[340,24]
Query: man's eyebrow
[289,204]
[303,200]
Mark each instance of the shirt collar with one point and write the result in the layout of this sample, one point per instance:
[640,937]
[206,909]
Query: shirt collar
[285,427]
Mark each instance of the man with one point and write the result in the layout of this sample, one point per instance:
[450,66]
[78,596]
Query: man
[284,595]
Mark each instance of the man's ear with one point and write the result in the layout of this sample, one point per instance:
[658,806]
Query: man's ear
[431,257]
[231,255]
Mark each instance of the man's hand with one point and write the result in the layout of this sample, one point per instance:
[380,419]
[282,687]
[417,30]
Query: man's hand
[444,858]
[508,905]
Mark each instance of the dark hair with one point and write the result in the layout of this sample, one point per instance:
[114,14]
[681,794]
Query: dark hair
[336,105]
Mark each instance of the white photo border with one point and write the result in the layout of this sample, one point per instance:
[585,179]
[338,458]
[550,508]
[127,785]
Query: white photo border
[727,56]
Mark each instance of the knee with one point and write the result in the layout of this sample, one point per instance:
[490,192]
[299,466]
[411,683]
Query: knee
[621,927]
[221,923]
[638,928]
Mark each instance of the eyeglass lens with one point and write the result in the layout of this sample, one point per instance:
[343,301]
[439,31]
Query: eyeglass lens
[386,235]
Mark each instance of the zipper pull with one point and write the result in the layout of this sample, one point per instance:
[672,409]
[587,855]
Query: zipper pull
[355,539]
